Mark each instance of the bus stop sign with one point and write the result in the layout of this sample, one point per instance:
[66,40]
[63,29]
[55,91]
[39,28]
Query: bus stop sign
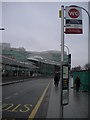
[73,20]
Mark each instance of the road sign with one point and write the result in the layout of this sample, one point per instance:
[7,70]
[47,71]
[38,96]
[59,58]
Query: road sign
[65,97]
[73,20]
[65,72]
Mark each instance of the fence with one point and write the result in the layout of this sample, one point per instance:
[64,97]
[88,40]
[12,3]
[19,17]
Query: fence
[84,76]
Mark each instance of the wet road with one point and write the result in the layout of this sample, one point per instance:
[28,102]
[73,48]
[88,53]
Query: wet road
[23,100]
[39,98]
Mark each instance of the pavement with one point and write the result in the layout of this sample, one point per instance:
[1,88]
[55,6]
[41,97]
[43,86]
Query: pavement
[12,80]
[54,102]
[77,107]
[78,103]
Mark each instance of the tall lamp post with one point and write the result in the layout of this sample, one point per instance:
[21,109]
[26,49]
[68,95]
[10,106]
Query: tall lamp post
[67,48]
[68,51]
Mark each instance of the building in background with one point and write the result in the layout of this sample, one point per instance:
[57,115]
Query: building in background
[5,45]
[18,60]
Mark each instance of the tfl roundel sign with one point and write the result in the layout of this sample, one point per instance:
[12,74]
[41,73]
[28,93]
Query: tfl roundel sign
[73,13]
[73,20]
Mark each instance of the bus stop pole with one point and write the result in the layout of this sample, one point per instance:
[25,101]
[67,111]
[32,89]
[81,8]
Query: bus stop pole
[62,33]
[89,33]
[62,52]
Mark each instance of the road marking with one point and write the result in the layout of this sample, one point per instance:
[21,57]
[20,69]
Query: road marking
[14,110]
[3,106]
[34,111]
[27,107]
[8,97]
[10,106]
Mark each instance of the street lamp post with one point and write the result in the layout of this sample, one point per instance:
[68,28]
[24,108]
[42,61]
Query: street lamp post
[67,48]
[68,51]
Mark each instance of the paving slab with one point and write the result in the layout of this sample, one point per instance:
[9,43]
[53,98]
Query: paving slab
[54,102]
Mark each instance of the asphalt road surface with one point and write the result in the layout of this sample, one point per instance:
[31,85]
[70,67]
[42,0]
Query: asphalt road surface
[26,99]
[39,98]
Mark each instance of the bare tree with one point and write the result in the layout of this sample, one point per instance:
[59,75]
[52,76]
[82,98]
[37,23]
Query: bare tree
[77,68]
[87,66]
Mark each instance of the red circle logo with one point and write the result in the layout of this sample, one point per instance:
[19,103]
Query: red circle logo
[73,13]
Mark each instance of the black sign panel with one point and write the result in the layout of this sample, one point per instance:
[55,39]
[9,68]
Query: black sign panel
[74,22]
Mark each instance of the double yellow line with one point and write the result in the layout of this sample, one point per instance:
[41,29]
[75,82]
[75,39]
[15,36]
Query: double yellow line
[34,111]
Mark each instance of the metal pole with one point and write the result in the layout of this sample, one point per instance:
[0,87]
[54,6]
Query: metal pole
[62,33]
[89,33]
[89,41]
[62,54]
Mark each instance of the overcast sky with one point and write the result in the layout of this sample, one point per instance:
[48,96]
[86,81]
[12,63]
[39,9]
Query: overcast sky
[37,27]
